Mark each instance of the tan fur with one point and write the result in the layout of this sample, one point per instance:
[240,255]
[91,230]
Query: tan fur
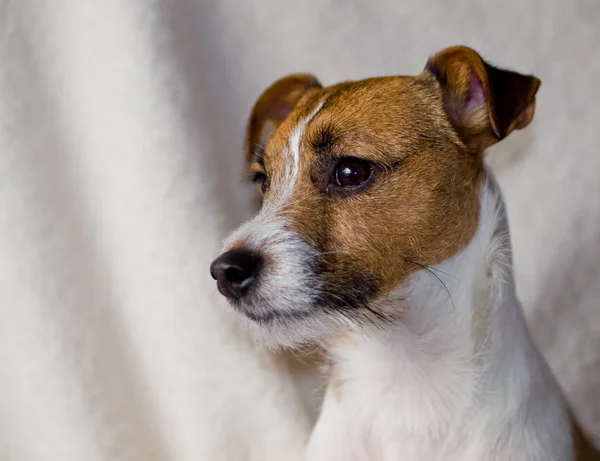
[456,67]
[273,107]
[335,388]
[423,207]
[406,215]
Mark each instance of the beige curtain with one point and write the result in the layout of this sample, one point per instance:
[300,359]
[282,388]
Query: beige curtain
[121,126]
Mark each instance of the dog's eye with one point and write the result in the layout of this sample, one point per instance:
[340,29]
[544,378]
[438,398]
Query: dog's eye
[259,178]
[352,172]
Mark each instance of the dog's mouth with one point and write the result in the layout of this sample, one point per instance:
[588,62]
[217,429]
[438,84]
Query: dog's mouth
[350,299]
[266,316]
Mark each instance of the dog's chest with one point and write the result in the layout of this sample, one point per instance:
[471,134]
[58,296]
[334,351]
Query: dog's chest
[408,404]
[388,418]
[420,423]
[339,437]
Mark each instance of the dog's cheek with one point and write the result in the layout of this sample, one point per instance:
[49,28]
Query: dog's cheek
[352,292]
[359,248]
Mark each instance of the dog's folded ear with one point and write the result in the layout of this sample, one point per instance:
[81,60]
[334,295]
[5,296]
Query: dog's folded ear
[484,103]
[273,106]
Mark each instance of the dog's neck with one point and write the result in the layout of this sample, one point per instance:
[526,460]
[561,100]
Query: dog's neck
[458,378]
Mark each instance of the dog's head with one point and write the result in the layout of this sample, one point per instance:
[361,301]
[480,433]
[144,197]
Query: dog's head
[363,183]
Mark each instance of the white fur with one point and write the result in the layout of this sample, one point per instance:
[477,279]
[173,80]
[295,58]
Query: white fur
[459,380]
[290,261]
[294,150]
[294,146]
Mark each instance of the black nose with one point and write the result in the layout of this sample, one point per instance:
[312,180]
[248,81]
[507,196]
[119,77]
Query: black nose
[235,271]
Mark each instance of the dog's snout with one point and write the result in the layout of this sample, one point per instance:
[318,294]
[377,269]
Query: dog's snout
[235,271]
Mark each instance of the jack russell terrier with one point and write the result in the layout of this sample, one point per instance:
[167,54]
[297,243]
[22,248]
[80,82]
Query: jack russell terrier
[383,237]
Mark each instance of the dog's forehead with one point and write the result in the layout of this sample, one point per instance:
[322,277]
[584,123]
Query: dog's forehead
[379,109]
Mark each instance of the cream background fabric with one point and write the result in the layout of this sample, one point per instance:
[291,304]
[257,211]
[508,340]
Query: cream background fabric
[121,126]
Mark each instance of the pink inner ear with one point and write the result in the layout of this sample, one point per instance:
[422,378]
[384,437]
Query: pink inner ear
[281,110]
[476,95]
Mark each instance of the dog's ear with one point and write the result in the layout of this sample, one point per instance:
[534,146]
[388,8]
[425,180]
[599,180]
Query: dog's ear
[484,103]
[273,106]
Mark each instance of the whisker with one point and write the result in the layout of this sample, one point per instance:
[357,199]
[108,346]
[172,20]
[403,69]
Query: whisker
[356,309]
[429,269]
[379,315]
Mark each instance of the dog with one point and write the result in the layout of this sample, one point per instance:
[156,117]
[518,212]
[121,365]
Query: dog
[383,238]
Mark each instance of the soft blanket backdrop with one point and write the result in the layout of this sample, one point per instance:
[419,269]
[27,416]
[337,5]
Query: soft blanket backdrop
[121,127]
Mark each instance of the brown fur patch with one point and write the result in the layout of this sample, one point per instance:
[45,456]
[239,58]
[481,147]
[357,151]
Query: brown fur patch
[485,103]
[274,105]
[425,137]
[423,206]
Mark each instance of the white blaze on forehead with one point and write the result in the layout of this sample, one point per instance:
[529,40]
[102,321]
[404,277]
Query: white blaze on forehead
[264,230]
[294,148]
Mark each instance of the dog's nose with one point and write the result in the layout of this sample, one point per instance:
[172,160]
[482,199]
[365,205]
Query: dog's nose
[235,271]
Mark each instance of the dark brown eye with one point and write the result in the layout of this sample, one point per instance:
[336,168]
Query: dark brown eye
[352,172]
[259,178]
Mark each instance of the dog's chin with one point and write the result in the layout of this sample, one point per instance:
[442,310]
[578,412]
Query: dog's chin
[276,330]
